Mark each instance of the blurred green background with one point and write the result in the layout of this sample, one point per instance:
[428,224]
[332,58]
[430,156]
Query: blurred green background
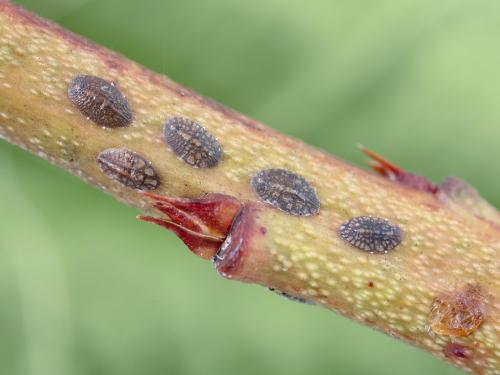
[87,289]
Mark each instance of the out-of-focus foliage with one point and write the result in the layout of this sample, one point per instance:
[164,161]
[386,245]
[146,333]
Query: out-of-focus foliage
[86,289]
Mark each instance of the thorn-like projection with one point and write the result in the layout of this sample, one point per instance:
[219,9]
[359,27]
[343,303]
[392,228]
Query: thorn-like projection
[398,174]
[202,223]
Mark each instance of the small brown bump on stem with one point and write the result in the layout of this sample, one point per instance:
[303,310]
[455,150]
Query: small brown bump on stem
[100,101]
[458,313]
[128,168]
[286,191]
[192,142]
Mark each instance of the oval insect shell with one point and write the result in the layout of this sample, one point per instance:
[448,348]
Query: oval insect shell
[370,233]
[192,142]
[128,168]
[286,191]
[100,101]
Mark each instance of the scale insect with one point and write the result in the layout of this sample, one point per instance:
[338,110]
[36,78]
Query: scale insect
[286,191]
[100,101]
[192,142]
[369,233]
[128,168]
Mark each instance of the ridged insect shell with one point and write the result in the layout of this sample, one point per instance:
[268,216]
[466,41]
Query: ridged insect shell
[100,101]
[372,234]
[128,168]
[192,142]
[286,191]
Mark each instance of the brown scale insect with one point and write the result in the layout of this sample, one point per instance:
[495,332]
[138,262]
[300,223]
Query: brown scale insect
[128,168]
[372,234]
[100,101]
[458,313]
[191,142]
[286,191]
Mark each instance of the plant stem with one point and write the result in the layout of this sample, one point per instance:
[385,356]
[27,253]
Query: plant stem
[438,290]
